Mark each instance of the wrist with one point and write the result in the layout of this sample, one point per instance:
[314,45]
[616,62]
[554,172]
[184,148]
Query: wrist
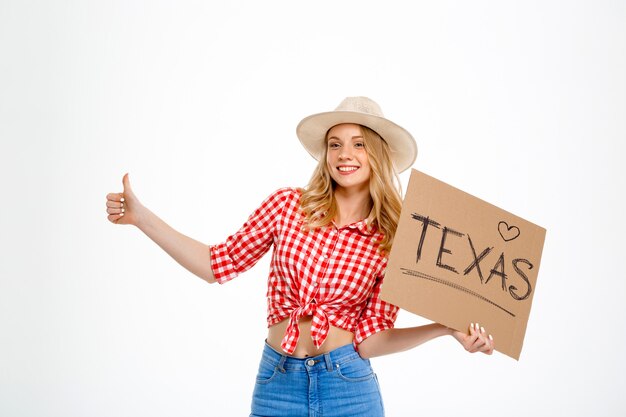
[446,331]
[142,217]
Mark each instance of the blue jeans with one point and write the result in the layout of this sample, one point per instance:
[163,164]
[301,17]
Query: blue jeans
[336,384]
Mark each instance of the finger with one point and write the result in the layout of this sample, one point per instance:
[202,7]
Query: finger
[470,340]
[481,343]
[485,346]
[114,218]
[490,344]
[488,339]
[115,204]
[116,210]
[115,197]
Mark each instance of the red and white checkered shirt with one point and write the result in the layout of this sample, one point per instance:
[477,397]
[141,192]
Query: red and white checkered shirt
[332,274]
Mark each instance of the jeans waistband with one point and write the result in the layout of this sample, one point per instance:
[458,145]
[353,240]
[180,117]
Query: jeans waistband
[327,361]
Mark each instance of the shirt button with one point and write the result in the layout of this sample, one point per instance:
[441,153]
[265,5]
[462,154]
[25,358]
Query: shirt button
[310,362]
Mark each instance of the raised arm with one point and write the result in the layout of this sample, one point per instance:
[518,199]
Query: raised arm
[125,208]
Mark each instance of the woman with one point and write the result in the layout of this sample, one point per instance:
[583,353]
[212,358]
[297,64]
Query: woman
[330,246]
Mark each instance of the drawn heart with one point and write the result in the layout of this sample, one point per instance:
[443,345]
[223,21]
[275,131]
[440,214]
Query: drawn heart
[507,232]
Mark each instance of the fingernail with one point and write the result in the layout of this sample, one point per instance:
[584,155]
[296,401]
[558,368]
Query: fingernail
[123,209]
[490,337]
[482,329]
[121,214]
[477,326]
[471,325]
[122,200]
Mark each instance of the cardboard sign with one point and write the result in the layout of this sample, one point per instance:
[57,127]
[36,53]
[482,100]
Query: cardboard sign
[457,259]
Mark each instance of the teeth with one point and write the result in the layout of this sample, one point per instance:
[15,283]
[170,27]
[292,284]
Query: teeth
[347,169]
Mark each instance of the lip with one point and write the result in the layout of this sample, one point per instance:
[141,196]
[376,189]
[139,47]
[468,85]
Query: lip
[348,172]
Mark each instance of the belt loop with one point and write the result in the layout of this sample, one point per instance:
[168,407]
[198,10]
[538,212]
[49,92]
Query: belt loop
[329,363]
[281,363]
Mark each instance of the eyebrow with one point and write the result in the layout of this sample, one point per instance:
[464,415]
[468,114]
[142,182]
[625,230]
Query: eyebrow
[353,137]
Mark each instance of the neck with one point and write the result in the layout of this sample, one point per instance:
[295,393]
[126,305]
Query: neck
[352,205]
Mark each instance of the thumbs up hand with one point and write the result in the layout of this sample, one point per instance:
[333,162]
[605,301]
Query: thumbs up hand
[124,207]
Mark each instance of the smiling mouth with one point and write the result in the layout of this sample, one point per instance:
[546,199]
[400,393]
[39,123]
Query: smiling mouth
[347,169]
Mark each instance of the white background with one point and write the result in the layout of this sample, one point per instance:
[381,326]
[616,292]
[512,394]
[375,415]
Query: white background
[522,104]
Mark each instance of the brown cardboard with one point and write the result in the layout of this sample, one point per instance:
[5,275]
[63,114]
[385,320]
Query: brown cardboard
[477,262]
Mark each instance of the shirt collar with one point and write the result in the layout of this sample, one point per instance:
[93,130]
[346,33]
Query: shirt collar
[362,226]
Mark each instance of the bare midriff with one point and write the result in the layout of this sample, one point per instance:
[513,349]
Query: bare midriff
[306,348]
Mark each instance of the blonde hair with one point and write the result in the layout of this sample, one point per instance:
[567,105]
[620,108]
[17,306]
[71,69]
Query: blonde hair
[318,202]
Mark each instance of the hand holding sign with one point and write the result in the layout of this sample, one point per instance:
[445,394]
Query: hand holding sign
[477,340]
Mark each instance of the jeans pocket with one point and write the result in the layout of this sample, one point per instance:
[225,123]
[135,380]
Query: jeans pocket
[267,372]
[357,370]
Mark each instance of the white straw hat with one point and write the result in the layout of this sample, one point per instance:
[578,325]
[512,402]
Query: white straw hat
[363,111]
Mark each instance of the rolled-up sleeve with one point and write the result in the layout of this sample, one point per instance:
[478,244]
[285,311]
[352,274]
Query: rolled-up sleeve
[242,250]
[377,316]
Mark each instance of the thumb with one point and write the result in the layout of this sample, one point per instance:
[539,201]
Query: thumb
[128,191]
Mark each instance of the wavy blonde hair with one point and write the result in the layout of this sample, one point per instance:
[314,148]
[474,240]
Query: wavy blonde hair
[318,202]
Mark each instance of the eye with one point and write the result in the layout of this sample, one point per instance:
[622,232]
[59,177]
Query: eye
[359,145]
[333,145]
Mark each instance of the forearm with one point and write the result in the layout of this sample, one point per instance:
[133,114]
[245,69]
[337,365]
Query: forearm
[191,254]
[398,340]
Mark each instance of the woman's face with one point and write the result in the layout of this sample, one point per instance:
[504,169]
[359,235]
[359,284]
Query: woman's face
[347,158]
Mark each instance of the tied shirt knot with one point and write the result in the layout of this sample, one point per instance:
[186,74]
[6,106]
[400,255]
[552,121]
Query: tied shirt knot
[319,326]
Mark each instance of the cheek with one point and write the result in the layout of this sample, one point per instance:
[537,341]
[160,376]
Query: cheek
[330,169]
[368,169]
[365,160]
[329,156]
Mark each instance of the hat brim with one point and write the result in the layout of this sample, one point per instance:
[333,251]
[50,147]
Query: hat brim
[312,134]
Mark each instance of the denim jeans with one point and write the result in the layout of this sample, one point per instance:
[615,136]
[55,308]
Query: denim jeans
[336,384]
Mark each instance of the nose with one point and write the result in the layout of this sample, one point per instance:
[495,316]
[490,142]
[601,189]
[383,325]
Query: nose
[345,153]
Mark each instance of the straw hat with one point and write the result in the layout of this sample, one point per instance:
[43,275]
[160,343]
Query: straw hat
[363,111]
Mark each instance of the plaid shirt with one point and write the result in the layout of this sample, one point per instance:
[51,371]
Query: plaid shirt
[332,274]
